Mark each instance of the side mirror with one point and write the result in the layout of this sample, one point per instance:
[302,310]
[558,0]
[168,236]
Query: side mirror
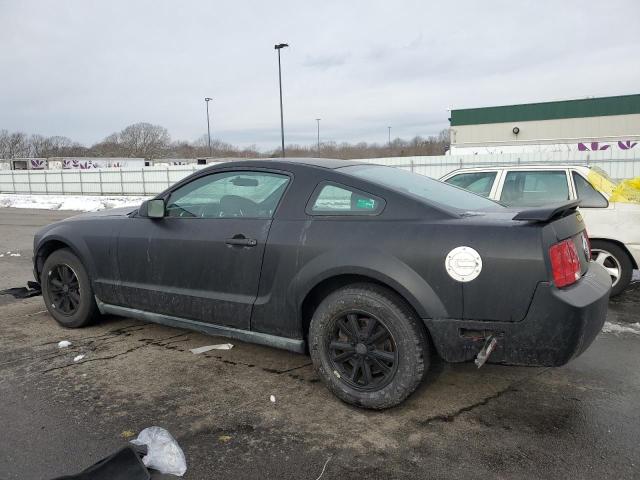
[152,208]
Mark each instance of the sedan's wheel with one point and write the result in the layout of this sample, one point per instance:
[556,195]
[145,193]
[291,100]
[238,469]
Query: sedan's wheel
[616,261]
[367,346]
[66,289]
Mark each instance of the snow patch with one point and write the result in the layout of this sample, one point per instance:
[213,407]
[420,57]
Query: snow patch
[618,328]
[82,203]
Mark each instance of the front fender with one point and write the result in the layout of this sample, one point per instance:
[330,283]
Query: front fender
[62,233]
[374,264]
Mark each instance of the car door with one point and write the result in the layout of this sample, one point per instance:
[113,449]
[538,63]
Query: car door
[534,188]
[202,261]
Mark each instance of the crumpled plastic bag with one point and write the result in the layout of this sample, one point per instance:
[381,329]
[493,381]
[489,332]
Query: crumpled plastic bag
[163,452]
[626,191]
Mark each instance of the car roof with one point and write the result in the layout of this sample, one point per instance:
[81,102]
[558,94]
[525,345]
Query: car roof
[330,163]
[520,166]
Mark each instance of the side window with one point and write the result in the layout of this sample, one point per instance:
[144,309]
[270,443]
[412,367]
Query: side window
[476,182]
[229,195]
[330,199]
[589,197]
[534,188]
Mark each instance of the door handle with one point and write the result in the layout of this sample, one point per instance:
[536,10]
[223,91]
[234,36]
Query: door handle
[241,241]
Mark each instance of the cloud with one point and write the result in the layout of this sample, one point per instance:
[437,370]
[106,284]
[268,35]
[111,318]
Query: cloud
[324,62]
[86,69]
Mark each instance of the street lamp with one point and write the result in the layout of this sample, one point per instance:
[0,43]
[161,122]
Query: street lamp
[318,122]
[389,136]
[279,47]
[206,100]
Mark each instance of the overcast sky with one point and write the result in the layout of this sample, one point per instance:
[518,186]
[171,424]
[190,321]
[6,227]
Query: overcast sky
[85,69]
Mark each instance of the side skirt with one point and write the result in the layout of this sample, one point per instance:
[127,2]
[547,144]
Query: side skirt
[291,344]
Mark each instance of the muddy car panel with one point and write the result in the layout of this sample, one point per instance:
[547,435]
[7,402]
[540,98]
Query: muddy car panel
[184,271]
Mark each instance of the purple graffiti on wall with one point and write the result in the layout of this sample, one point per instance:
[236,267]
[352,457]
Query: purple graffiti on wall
[628,145]
[81,164]
[37,164]
[593,146]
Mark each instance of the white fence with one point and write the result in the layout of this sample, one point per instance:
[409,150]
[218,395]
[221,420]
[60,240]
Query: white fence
[622,165]
[97,181]
[151,180]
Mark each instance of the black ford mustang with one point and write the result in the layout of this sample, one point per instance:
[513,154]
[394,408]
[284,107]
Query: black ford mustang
[370,268]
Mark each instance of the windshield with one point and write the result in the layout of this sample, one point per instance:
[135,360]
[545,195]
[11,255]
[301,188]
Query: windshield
[421,186]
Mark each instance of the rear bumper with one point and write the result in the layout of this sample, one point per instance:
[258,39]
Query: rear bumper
[560,324]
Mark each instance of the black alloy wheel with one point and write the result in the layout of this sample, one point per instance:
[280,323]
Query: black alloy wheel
[363,351]
[368,346]
[64,289]
[67,291]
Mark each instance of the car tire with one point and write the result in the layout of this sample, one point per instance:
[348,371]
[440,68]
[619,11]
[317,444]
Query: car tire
[612,256]
[359,362]
[66,290]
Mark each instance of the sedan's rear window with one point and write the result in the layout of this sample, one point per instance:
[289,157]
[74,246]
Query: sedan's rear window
[421,186]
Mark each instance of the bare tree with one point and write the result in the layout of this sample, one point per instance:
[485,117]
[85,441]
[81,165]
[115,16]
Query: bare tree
[109,147]
[153,141]
[144,140]
[55,146]
[14,145]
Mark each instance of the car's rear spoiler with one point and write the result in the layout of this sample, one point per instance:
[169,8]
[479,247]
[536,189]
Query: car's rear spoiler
[548,212]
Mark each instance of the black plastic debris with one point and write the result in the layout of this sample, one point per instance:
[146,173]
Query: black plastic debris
[125,464]
[31,290]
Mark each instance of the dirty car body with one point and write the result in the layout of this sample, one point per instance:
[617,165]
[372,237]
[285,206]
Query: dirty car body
[254,250]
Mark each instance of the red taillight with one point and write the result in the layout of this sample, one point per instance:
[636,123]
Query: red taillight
[565,264]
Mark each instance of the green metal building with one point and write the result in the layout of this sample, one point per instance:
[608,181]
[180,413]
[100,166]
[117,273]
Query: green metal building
[589,124]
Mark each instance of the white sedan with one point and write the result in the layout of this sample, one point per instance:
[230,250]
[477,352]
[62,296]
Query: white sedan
[613,225]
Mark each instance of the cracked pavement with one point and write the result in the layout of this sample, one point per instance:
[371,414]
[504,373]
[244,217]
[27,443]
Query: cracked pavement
[59,416]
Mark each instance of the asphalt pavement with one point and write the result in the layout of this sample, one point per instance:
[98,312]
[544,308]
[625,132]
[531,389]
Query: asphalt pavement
[58,416]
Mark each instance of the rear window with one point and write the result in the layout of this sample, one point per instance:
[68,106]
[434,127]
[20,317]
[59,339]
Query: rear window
[331,199]
[589,197]
[420,186]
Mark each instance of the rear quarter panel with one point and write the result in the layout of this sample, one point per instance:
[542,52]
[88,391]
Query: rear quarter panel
[620,222]
[403,255]
[513,263]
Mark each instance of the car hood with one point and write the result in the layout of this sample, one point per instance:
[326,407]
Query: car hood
[110,212]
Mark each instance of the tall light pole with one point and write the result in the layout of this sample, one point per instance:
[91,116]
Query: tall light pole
[206,100]
[318,122]
[389,136]
[279,47]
